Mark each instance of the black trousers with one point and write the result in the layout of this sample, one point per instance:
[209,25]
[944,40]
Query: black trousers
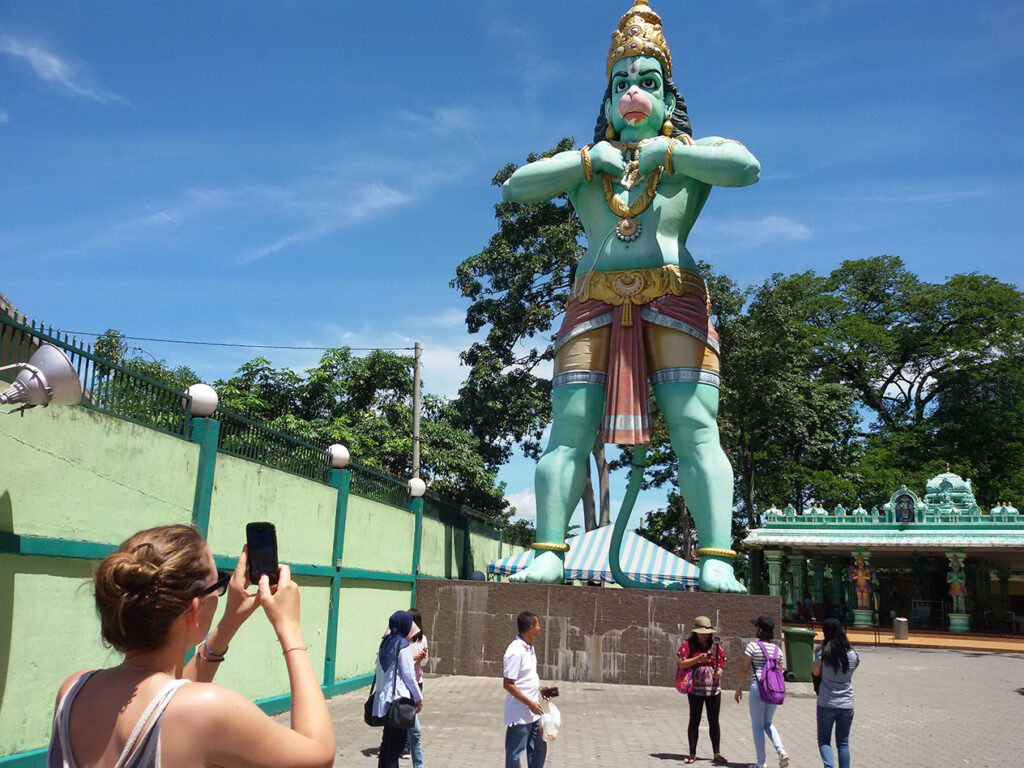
[392,742]
[713,705]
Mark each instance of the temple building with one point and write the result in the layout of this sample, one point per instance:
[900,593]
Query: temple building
[940,561]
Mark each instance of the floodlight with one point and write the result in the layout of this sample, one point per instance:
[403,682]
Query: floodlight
[338,456]
[47,378]
[204,399]
[416,487]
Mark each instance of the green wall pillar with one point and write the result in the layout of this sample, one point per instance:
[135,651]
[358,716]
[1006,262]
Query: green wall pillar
[467,549]
[774,559]
[416,507]
[342,480]
[205,432]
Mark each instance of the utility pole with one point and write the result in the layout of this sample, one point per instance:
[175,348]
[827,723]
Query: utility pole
[416,405]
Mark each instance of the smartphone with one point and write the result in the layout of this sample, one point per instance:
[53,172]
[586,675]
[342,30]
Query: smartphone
[549,693]
[261,543]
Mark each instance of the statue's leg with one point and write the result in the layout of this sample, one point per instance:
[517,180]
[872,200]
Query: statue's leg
[705,475]
[561,472]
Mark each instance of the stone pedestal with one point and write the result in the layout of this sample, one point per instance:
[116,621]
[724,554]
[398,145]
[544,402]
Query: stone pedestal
[591,634]
[863,617]
[960,622]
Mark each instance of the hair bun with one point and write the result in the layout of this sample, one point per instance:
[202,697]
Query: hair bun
[134,571]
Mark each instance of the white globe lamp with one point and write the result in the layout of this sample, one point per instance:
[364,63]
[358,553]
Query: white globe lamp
[416,487]
[204,399]
[338,456]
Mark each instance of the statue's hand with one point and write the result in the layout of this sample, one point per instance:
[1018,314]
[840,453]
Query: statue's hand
[607,159]
[652,156]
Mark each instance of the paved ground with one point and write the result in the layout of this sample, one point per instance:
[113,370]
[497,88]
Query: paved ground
[914,708]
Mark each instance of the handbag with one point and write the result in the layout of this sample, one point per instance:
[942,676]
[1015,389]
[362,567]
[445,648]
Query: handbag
[368,717]
[402,714]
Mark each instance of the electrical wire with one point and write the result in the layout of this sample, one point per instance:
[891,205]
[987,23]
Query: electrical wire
[239,346]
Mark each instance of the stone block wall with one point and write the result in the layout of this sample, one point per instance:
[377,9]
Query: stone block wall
[588,634]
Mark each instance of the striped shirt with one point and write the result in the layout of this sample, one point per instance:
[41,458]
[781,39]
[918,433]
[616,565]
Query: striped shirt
[757,659]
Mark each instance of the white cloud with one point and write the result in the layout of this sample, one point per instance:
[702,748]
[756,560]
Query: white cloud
[751,233]
[525,503]
[51,68]
[442,121]
[4,117]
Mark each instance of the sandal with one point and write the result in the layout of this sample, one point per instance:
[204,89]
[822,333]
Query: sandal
[718,760]
[689,759]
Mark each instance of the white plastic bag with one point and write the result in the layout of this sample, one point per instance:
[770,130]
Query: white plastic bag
[550,722]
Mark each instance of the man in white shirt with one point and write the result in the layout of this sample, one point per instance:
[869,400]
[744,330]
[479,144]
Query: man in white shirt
[522,702]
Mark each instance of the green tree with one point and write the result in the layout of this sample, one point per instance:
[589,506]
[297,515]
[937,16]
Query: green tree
[365,402]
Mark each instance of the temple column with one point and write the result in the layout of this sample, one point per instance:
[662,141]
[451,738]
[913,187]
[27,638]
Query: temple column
[818,579]
[773,557]
[1004,588]
[959,619]
[797,572]
[838,571]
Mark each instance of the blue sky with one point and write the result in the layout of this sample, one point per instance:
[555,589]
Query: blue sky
[311,174]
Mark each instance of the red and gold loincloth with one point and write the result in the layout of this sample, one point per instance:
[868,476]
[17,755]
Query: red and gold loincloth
[621,326]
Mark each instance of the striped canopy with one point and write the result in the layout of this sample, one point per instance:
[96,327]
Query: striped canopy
[587,560]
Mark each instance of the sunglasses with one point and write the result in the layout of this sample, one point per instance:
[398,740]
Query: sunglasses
[219,587]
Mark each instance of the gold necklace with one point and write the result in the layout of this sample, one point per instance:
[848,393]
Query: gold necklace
[627,228]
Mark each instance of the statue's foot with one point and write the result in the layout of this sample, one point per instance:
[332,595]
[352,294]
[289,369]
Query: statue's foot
[546,568]
[718,576]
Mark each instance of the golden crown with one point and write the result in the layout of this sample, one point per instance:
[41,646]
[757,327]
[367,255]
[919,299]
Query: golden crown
[639,34]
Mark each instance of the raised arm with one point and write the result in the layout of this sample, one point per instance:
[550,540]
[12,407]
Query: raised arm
[543,179]
[712,160]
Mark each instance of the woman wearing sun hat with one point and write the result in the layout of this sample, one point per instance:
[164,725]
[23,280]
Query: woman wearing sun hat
[699,676]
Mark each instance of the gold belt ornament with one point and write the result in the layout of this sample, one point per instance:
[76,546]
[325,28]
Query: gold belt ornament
[626,287]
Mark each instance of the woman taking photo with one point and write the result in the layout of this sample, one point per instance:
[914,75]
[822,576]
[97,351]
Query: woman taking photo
[395,681]
[755,658]
[834,663]
[156,597]
[701,661]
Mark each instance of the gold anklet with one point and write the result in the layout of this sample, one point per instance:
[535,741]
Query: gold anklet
[714,552]
[543,547]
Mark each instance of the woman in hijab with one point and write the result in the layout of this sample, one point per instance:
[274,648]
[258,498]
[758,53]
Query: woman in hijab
[395,679]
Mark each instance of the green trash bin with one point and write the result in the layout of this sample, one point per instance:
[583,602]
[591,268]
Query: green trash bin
[799,653]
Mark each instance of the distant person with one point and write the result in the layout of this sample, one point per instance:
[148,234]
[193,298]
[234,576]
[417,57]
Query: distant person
[156,597]
[835,661]
[761,714]
[395,680]
[523,708]
[701,653]
[418,644]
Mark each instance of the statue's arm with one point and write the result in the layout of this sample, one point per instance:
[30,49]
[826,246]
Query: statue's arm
[543,179]
[717,161]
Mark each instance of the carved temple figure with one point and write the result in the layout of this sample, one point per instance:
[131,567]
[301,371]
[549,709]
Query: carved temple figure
[956,579]
[639,312]
[862,574]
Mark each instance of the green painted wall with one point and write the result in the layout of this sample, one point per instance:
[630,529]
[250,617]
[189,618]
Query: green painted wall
[438,553]
[301,510]
[377,536]
[76,475]
[84,475]
[48,629]
[255,666]
[365,608]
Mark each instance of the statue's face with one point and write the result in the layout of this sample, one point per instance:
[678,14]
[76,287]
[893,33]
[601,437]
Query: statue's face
[639,104]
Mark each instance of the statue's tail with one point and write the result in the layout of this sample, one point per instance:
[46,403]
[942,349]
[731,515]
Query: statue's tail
[636,474]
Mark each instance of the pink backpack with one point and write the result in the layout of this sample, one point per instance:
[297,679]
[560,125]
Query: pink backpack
[771,685]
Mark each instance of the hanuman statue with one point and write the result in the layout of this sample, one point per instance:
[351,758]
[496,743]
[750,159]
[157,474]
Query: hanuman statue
[639,312]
